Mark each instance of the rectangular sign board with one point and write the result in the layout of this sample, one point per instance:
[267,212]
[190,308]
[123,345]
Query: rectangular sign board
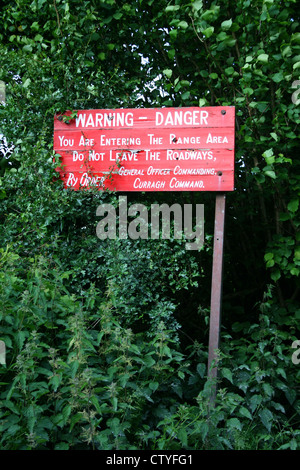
[149,149]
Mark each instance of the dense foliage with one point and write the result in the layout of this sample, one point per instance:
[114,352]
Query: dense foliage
[107,340]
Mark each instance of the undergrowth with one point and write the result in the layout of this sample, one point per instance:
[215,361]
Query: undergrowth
[76,378]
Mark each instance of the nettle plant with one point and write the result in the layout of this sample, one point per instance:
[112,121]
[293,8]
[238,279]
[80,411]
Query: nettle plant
[75,378]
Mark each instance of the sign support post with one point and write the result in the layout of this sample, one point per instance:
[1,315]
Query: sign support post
[216,291]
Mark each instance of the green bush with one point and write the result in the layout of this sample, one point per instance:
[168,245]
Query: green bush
[76,378]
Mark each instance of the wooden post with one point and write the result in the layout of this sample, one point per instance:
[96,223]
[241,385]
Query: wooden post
[216,290]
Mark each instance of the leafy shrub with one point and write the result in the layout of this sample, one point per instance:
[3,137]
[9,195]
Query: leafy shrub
[77,379]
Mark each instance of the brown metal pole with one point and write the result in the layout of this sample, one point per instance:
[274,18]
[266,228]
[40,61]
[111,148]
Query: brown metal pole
[216,289]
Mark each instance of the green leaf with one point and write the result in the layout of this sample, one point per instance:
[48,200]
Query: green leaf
[173,33]
[287,51]
[270,160]
[291,395]
[201,369]
[197,5]
[275,275]
[264,58]
[38,38]
[227,374]
[208,32]
[245,412]
[171,53]
[278,77]
[183,25]
[266,417]
[171,8]
[254,402]
[55,380]
[229,71]
[281,372]
[274,135]
[295,38]
[268,389]
[66,412]
[234,423]
[297,254]
[230,42]
[271,174]
[269,156]
[168,73]
[27,48]
[293,205]
[186,95]
[114,402]
[203,429]
[225,25]
[35,26]
[183,437]
[118,15]
[27,83]
[294,444]
[74,365]
[270,263]
[75,418]
[202,102]
[268,256]
[210,15]
[153,386]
